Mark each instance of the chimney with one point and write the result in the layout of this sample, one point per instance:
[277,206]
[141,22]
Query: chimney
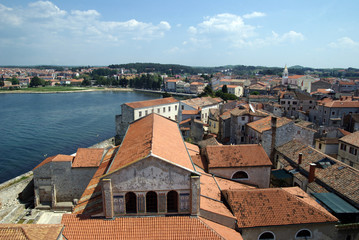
[300,158]
[311,172]
[274,135]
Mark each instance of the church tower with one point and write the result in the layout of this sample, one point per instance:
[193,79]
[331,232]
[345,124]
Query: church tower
[285,76]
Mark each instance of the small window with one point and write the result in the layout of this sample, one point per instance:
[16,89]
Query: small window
[320,146]
[146,113]
[240,175]
[243,118]
[182,107]
[164,109]
[158,110]
[303,234]
[351,164]
[266,236]
[333,113]
[169,109]
[140,113]
[175,107]
[172,201]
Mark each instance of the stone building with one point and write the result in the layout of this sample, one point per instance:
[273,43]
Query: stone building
[331,113]
[246,163]
[202,104]
[54,178]
[167,107]
[348,151]
[282,130]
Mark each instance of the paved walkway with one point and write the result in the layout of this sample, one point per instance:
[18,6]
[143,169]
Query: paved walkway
[50,218]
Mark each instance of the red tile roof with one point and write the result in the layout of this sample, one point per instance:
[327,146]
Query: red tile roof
[160,228]
[197,103]
[352,139]
[155,135]
[246,155]
[190,112]
[30,231]
[57,158]
[88,157]
[273,207]
[342,104]
[91,200]
[296,76]
[150,103]
[264,124]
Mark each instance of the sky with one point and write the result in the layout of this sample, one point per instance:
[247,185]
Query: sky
[318,34]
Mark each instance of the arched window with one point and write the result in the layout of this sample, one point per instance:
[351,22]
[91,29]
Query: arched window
[267,236]
[172,201]
[151,202]
[131,202]
[240,175]
[303,234]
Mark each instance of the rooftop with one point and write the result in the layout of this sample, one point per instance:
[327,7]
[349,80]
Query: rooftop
[245,155]
[30,231]
[352,139]
[150,103]
[197,103]
[272,207]
[152,135]
[88,157]
[183,227]
[264,124]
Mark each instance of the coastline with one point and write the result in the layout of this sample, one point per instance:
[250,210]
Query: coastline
[71,91]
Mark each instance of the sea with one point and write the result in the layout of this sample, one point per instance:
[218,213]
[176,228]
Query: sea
[36,126]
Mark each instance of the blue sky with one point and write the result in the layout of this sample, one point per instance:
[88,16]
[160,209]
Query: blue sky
[196,33]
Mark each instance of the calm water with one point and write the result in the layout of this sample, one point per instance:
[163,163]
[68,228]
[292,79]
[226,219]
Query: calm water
[33,126]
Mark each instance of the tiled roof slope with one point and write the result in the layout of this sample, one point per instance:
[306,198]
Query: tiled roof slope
[201,102]
[245,155]
[155,135]
[272,207]
[225,232]
[57,158]
[342,104]
[264,124]
[159,228]
[30,231]
[352,139]
[88,157]
[339,177]
[90,202]
[150,103]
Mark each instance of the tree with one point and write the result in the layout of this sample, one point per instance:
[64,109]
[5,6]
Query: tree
[2,81]
[36,81]
[208,91]
[86,82]
[224,89]
[14,81]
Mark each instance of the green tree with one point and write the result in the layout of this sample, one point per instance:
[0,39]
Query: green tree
[224,89]
[14,81]
[2,81]
[86,82]
[36,81]
[208,91]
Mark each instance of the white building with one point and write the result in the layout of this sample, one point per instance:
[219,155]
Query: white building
[203,104]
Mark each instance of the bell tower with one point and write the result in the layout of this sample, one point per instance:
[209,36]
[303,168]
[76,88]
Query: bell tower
[285,76]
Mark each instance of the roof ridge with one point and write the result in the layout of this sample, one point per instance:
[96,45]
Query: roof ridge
[206,225]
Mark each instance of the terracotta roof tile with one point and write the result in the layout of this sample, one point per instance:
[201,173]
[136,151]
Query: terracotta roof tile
[154,102]
[244,155]
[272,207]
[190,112]
[343,131]
[225,232]
[57,158]
[91,199]
[197,103]
[30,231]
[340,178]
[88,157]
[352,139]
[342,104]
[155,135]
[264,124]
[161,228]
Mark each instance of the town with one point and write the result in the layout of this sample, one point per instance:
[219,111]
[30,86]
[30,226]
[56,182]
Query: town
[266,155]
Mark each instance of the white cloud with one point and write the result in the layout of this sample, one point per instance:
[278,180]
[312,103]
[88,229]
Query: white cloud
[344,42]
[254,15]
[47,21]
